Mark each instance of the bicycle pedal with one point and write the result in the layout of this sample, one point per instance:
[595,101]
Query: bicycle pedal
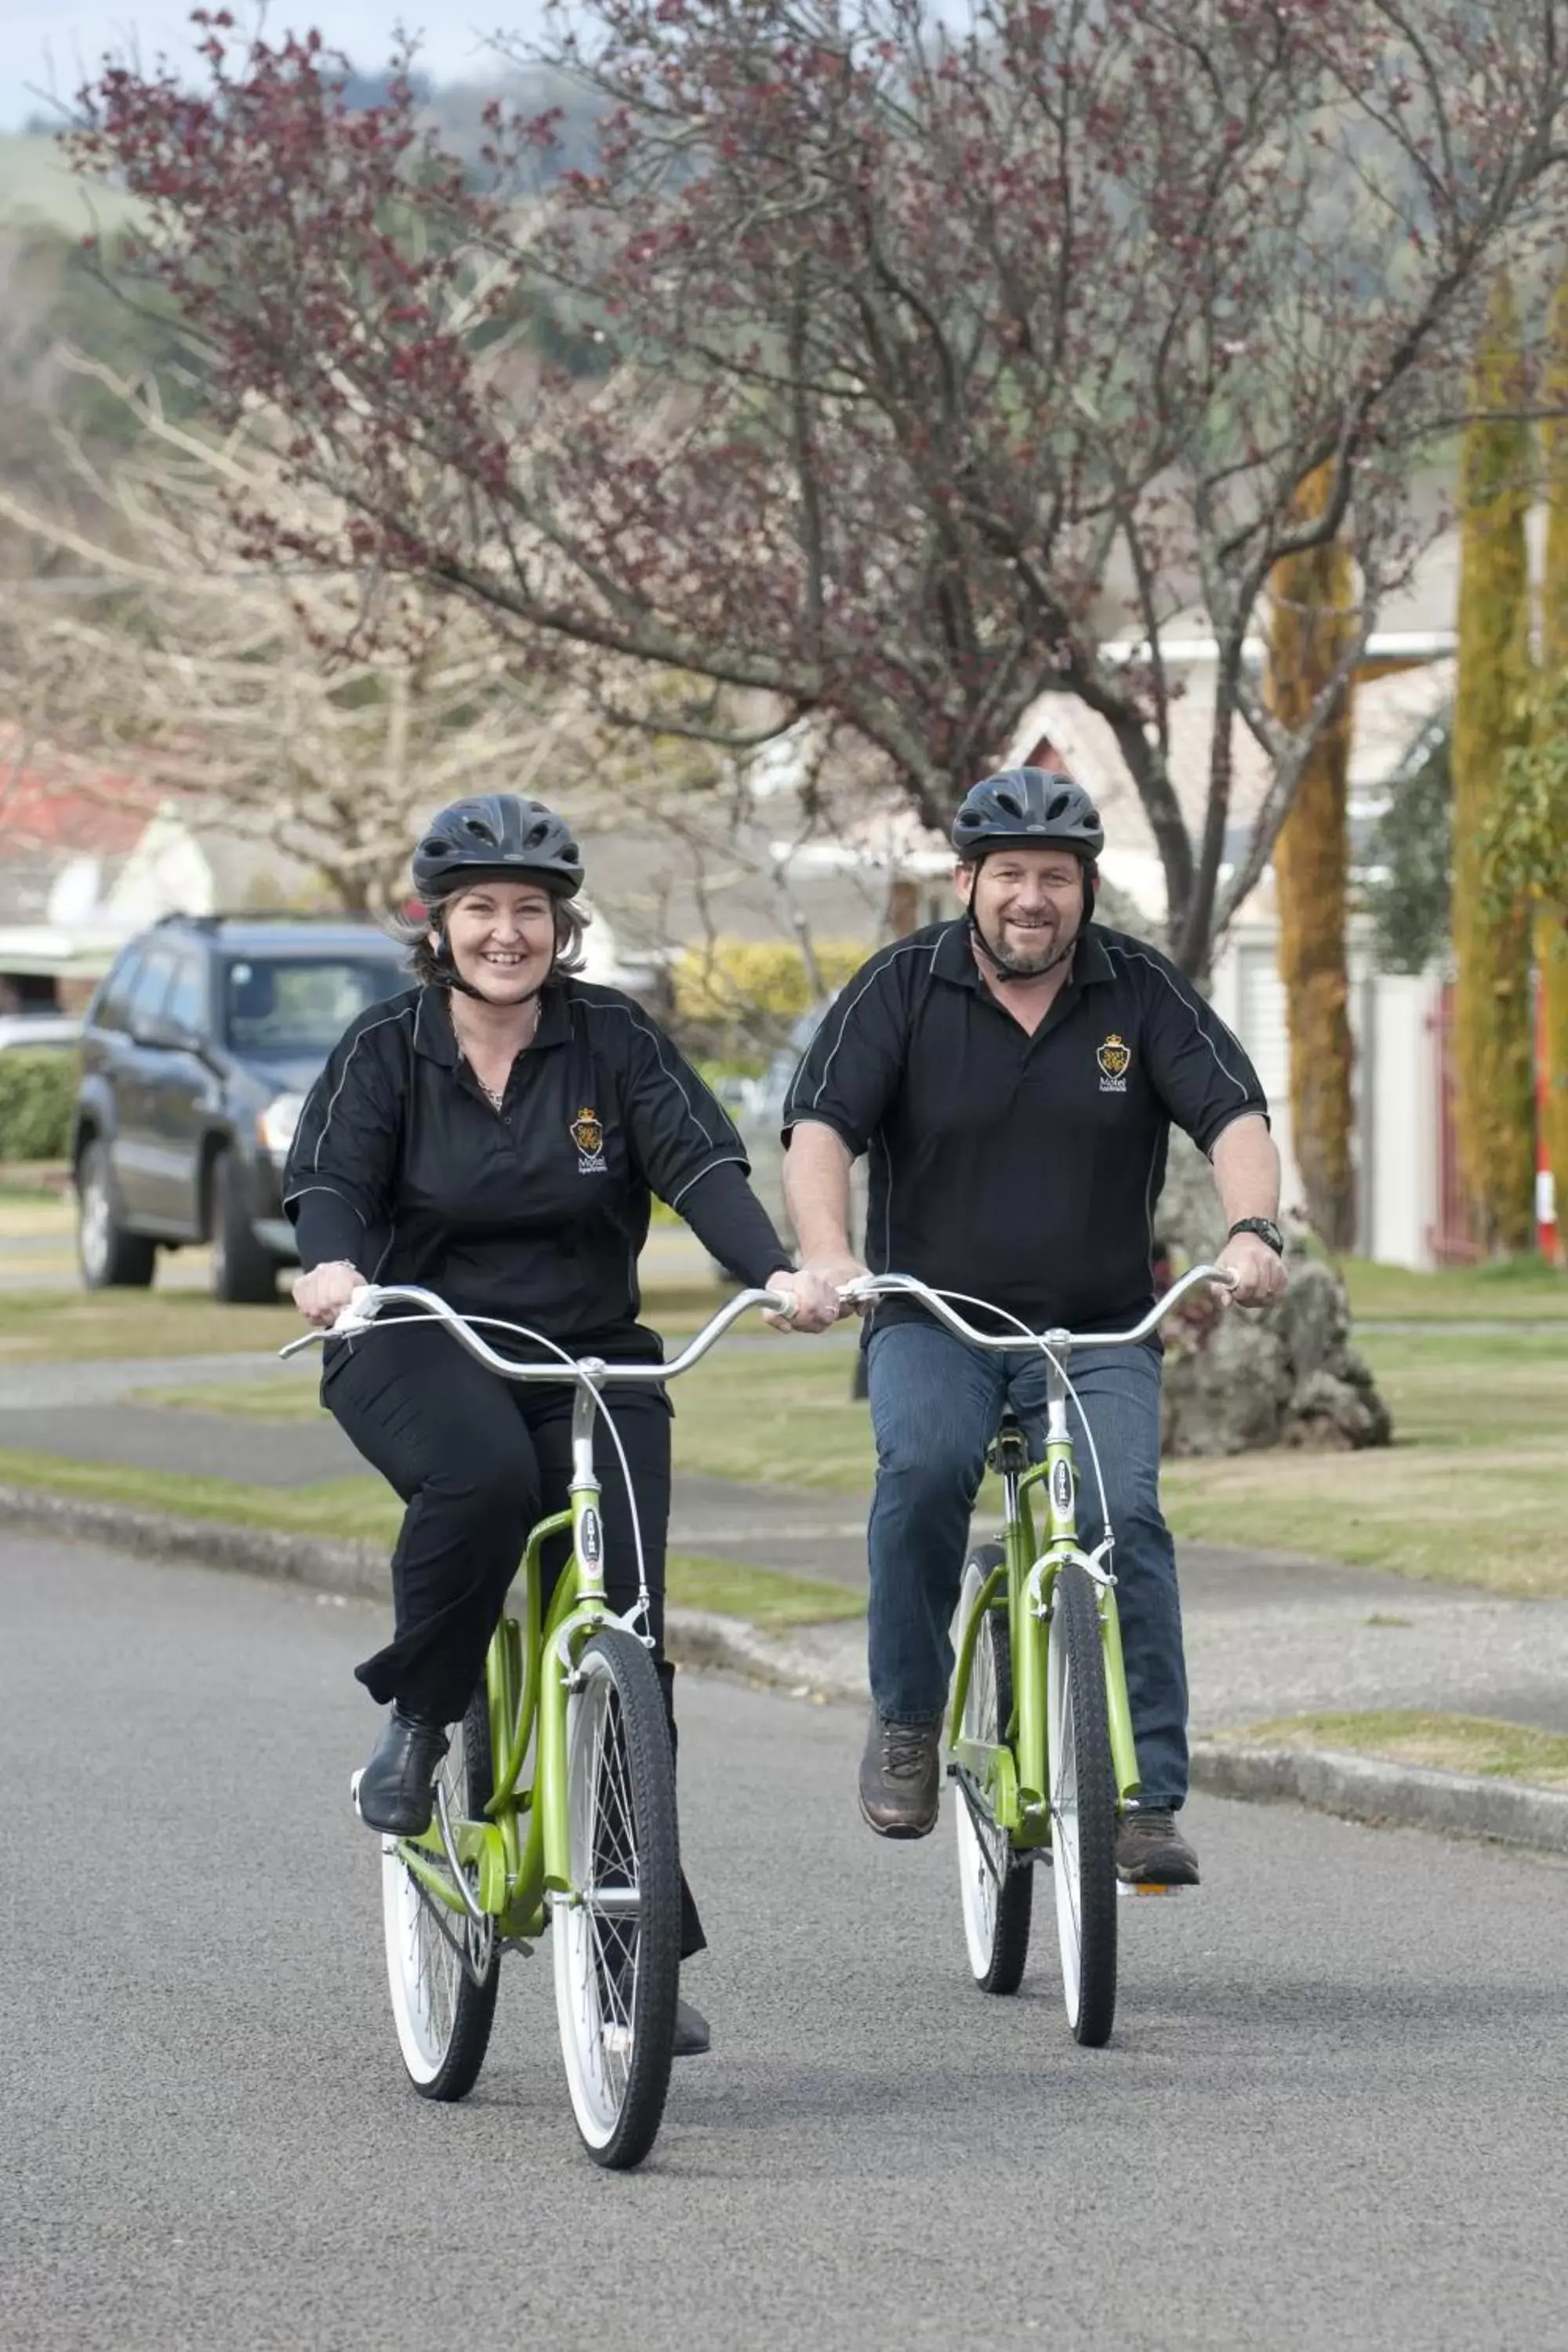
[1132,1886]
[355,1780]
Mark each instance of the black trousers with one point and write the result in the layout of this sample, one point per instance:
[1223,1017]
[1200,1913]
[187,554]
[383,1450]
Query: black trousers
[478,1461]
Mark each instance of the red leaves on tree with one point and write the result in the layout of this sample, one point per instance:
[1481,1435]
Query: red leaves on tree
[935,348]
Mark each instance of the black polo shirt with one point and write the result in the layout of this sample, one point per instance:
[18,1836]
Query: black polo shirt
[1023,1171]
[537,1213]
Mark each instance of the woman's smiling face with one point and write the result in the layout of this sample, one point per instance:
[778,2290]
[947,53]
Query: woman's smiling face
[502,939]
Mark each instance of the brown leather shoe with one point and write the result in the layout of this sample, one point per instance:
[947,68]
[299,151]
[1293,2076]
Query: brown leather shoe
[899,1777]
[1151,1852]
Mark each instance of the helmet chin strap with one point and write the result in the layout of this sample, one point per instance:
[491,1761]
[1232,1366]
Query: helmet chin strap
[1006,970]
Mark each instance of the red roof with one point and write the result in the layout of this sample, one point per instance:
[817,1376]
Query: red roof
[106,814]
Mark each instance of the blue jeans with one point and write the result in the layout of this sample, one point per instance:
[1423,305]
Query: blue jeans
[935,1404]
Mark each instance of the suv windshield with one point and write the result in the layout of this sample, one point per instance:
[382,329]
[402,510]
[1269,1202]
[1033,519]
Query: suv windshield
[289,1009]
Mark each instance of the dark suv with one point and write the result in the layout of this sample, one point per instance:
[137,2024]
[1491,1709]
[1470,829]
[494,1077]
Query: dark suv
[197,1053]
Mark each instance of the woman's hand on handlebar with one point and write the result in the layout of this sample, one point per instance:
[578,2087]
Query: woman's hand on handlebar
[321,1295]
[816,1304]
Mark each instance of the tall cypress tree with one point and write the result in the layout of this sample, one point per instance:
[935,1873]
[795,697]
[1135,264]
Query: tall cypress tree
[1312,616]
[1494,1071]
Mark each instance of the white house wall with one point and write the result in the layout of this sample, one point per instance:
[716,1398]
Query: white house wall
[1395,1088]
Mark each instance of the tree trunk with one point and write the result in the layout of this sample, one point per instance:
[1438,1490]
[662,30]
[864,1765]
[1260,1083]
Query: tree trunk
[1551,923]
[1313,611]
[1494,1059]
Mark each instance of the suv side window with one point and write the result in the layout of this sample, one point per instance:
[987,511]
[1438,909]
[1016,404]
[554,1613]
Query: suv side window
[186,1008]
[149,988]
[109,1006]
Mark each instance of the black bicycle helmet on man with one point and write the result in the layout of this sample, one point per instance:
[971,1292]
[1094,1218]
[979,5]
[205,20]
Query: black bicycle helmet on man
[1034,809]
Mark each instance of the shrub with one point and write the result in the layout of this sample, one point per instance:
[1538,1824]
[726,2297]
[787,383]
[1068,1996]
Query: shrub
[37,1093]
[741,994]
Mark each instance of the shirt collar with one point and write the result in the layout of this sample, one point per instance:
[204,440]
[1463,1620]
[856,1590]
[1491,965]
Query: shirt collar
[436,1039]
[954,957]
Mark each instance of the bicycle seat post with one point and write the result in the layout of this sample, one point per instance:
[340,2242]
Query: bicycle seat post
[592,1371]
[1059,1342]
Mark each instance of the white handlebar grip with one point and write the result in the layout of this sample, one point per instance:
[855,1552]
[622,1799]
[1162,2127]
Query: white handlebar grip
[785,1305]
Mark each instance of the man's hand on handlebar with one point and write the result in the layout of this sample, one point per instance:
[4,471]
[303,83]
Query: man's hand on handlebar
[816,1303]
[1260,1275]
[321,1295]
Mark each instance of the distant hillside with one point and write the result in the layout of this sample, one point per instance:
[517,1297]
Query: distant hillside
[35,184]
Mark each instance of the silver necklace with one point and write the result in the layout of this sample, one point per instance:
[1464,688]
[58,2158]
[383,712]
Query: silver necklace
[496,1099]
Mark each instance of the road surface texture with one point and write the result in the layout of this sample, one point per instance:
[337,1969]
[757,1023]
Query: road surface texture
[1332,2114]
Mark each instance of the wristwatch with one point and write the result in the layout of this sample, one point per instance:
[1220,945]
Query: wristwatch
[1264,1227]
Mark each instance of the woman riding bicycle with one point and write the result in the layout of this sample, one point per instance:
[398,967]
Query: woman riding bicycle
[496,1134]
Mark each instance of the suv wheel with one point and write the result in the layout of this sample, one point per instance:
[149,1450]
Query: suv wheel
[243,1273]
[110,1258]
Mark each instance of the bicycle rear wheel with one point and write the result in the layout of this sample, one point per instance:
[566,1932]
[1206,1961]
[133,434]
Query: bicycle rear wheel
[618,1940]
[995,1888]
[1083,1807]
[443,1970]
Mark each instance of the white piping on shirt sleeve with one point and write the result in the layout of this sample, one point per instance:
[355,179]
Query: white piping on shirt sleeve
[384,1023]
[886,965]
[590,1006]
[734,1160]
[300,1190]
[1189,1008]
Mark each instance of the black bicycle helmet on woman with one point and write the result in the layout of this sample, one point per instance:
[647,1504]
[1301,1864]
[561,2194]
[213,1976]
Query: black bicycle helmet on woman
[498,834]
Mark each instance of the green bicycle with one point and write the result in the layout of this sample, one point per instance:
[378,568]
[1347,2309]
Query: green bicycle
[556,1800]
[1040,1731]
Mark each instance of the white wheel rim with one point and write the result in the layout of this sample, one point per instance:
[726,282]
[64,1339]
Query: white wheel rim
[424,1972]
[1066,1869]
[94,1225]
[977,1870]
[596,1934]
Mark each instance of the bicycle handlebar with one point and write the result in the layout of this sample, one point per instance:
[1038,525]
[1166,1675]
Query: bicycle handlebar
[892,1285]
[358,1315]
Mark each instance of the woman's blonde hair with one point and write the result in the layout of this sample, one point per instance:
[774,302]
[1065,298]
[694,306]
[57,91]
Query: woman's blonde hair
[422,935]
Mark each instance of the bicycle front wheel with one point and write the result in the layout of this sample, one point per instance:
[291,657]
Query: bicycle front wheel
[995,1888]
[617,1937]
[442,1968]
[1083,1807]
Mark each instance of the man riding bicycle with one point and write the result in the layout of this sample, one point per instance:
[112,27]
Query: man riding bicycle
[1013,1075]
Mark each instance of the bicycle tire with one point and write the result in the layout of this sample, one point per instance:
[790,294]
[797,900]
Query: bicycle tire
[1082,1788]
[617,1966]
[442,2012]
[996,1888]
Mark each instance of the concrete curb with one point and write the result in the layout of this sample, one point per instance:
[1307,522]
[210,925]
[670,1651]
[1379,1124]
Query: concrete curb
[339,1564]
[1367,1789]
[1355,1788]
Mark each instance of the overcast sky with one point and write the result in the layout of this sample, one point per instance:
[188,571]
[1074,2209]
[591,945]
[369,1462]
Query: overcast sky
[45,44]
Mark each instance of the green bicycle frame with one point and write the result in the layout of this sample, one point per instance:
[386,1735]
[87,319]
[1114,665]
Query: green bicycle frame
[520,1850]
[1010,1776]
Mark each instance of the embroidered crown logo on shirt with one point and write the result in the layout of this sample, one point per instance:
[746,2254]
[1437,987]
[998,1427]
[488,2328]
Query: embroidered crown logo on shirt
[1115,1059]
[587,1132]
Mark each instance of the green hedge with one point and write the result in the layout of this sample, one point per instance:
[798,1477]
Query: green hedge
[38,1091]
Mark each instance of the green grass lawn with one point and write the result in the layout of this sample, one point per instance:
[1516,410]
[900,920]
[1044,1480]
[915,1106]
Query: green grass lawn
[1475,1491]
[365,1509]
[73,1325]
[1451,1743]
[1514,1289]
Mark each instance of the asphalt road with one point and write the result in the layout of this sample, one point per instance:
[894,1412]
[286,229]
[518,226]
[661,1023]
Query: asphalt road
[1332,2114]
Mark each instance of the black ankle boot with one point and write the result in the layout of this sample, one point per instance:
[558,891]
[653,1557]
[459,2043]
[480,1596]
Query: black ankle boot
[392,1793]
